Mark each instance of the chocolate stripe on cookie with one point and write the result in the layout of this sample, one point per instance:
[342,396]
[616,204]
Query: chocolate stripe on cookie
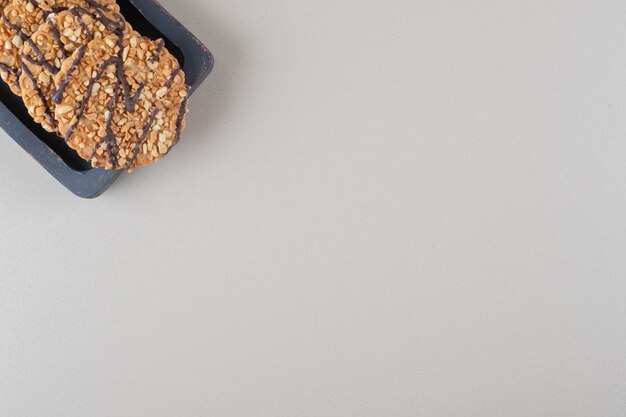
[27,72]
[15,71]
[15,28]
[170,81]
[42,60]
[136,113]
[142,138]
[58,95]
[83,104]
[158,51]
[109,138]
[57,37]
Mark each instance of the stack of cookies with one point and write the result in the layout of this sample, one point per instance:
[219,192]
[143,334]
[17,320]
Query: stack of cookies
[119,99]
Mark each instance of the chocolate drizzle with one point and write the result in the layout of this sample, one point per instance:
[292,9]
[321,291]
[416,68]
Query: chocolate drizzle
[116,24]
[34,3]
[129,101]
[27,72]
[95,4]
[42,59]
[15,28]
[54,10]
[6,68]
[181,114]
[46,13]
[142,138]
[58,95]
[88,94]
[58,9]
[130,104]
[158,51]
[170,81]
[77,12]
[15,71]
[115,27]
[110,139]
[57,37]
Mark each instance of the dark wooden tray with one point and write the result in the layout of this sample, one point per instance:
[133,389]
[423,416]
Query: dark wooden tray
[150,19]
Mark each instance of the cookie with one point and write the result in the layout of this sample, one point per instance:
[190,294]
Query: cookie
[22,18]
[9,58]
[54,41]
[121,101]
[28,15]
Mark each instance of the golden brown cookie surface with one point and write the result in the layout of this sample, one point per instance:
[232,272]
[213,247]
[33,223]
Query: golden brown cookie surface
[53,43]
[22,18]
[9,58]
[121,104]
